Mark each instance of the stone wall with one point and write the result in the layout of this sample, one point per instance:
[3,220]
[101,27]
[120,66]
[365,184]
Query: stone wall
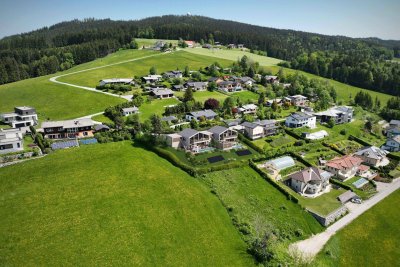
[331,217]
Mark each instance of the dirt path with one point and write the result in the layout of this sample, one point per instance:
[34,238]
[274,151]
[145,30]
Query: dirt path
[127,97]
[310,247]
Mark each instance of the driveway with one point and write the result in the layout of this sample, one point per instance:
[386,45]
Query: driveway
[310,247]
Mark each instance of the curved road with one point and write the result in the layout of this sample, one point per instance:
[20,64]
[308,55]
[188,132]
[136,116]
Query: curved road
[127,97]
[310,247]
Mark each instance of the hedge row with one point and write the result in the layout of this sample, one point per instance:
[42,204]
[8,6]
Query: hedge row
[359,140]
[392,156]
[299,158]
[338,183]
[333,148]
[273,182]
[293,134]
[250,144]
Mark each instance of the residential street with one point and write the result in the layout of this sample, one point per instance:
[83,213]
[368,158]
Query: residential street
[311,246]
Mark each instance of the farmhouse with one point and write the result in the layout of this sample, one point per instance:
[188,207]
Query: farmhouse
[339,115]
[300,119]
[175,74]
[161,93]
[130,111]
[248,109]
[298,100]
[310,182]
[392,144]
[345,167]
[151,78]
[207,114]
[11,140]
[114,81]
[21,117]
[196,86]
[223,137]
[373,156]
[79,128]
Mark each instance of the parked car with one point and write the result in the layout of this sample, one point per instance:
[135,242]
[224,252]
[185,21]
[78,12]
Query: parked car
[356,200]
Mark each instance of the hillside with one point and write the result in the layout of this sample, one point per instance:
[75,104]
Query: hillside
[360,62]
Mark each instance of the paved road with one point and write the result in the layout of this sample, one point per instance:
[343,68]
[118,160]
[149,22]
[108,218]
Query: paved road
[127,97]
[310,247]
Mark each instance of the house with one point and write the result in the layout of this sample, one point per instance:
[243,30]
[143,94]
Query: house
[301,119]
[79,128]
[344,167]
[130,111]
[248,109]
[175,74]
[11,140]
[207,114]
[193,140]
[217,80]
[373,156]
[231,46]
[279,102]
[178,87]
[247,81]
[298,100]
[253,130]
[393,129]
[223,137]
[240,46]
[229,86]
[272,79]
[196,86]
[169,119]
[270,126]
[21,117]
[190,44]
[98,128]
[161,93]
[310,182]
[151,78]
[207,46]
[113,81]
[159,45]
[392,144]
[339,115]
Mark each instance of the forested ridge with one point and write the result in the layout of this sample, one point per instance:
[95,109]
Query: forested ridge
[361,62]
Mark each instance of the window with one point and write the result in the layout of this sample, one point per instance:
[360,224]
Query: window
[18,145]
[85,133]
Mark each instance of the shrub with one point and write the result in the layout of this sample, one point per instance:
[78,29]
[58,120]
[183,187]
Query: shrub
[343,132]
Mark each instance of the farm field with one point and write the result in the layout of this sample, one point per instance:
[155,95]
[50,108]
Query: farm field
[53,101]
[233,54]
[371,240]
[136,209]
[344,91]
[255,204]
[162,61]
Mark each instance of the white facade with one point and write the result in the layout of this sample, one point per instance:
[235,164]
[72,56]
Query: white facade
[11,140]
[297,121]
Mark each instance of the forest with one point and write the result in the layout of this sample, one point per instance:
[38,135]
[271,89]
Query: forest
[362,62]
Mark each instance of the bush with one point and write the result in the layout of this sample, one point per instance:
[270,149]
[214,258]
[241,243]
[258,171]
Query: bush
[343,132]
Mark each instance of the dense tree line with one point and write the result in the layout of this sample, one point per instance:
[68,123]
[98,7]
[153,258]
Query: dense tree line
[362,62]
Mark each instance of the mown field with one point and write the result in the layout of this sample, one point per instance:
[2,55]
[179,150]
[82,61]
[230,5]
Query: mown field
[53,101]
[371,240]
[112,205]
[234,54]
[161,61]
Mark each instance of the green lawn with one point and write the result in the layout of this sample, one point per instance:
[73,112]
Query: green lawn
[112,205]
[344,91]
[324,204]
[274,141]
[246,96]
[373,239]
[156,106]
[202,96]
[162,62]
[255,204]
[364,192]
[313,151]
[53,101]
[102,118]
[233,55]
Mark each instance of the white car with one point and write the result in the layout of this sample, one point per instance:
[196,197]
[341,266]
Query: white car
[356,200]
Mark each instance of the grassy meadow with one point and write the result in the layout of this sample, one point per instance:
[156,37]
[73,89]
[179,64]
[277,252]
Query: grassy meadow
[162,62]
[371,240]
[234,54]
[112,205]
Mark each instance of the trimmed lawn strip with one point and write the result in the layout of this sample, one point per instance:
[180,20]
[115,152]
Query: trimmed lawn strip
[156,106]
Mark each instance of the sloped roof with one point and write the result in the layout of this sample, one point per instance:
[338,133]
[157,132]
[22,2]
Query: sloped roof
[371,152]
[344,162]
[250,124]
[311,174]
[188,132]
[205,113]
[301,116]
[130,109]
[346,196]
[282,162]
[217,129]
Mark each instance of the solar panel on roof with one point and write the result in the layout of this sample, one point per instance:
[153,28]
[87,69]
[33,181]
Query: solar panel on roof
[88,141]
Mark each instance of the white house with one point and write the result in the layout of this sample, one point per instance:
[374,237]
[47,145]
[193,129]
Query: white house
[152,78]
[392,144]
[130,111]
[208,114]
[345,167]
[117,81]
[11,140]
[224,138]
[248,109]
[175,74]
[373,156]
[253,130]
[162,93]
[21,117]
[310,182]
[301,119]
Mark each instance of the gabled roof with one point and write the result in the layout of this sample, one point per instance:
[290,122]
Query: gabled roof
[99,127]
[311,174]
[162,91]
[218,129]
[188,132]
[246,79]
[249,106]
[346,196]
[371,152]
[206,113]
[394,123]
[301,116]
[250,125]
[344,162]
[395,138]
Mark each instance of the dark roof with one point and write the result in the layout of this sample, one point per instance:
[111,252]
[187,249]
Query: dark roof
[217,129]
[169,118]
[301,116]
[206,113]
[188,132]
[311,174]
[250,124]
[99,127]
[346,196]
